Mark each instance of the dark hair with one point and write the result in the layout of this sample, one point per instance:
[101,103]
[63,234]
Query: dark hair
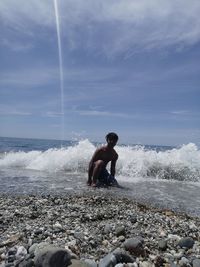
[112,136]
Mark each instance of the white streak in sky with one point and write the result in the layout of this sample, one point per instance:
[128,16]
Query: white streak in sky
[60,67]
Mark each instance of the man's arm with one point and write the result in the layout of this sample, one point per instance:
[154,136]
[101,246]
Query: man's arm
[113,165]
[91,165]
[90,171]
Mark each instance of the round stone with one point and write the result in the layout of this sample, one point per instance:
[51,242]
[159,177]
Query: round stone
[186,242]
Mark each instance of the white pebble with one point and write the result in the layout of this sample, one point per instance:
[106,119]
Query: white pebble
[21,252]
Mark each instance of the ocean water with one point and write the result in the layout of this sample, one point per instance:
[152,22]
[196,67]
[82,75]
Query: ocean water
[165,177]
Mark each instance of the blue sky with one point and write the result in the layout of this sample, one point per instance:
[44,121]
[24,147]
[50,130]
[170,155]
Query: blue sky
[129,66]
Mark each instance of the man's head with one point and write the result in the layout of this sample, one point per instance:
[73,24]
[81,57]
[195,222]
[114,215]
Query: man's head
[112,139]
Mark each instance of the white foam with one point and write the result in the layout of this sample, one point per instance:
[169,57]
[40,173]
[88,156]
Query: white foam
[134,161]
[73,158]
[138,162]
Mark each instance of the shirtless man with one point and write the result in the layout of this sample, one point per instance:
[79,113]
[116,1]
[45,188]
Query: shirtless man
[97,166]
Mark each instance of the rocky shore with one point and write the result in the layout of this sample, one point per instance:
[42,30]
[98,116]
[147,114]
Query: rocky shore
[94,230]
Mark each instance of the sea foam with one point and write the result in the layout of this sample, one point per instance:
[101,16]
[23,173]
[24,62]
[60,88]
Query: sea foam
[134,161]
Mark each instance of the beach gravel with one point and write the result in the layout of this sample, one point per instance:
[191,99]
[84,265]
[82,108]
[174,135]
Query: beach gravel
[94,230]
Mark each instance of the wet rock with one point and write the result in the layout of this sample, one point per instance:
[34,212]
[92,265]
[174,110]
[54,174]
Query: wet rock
[33,248]
[120,230]
[108,261]
[107,229]
[196,263]
[79,235]
[123,256]
[134,246]
[21,252]
[78,263]
[51,256]
[186,242]
[90,263]
[27,263]
[183,262]
[162,244]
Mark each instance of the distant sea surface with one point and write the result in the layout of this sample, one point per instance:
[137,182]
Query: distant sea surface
[165,177]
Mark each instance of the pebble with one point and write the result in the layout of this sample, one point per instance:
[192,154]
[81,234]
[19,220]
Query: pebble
[21,252]
[90,263]
[186,242]
[52,256]
[107,228]
[134,246]
[120,230]
[94,231]
[162,244]
[183,262]
[108,261]
[196,263]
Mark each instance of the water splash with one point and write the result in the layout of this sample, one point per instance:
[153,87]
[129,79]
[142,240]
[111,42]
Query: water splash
[135,162]
[60,68]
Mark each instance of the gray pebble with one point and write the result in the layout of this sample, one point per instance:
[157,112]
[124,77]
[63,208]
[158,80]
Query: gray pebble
[120,230]
[134,246]
[52,257]
[90,263]
[186,242]
[196,263]
[108,261]
[162,244]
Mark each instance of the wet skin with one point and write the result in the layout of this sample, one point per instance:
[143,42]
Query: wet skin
[100,159]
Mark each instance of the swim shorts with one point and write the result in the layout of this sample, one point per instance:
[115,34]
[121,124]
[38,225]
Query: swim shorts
[105,178]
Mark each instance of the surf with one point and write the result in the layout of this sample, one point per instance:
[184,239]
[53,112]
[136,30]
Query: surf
[180,164]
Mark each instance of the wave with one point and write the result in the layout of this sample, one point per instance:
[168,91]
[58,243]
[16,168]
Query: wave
[181,164]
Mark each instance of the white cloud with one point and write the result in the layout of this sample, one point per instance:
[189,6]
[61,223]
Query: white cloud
[76,80]
[108,26]
[105,114]
[52,114]
[180,112]
[20,14]
[29,77]
[15,113]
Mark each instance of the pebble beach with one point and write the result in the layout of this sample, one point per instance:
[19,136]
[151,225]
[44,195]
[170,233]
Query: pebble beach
[94,229]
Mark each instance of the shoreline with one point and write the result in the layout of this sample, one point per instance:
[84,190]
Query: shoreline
[103,192]
[92,225]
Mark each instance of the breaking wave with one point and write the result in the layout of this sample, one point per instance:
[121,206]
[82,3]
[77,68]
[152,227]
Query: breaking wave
[181,164]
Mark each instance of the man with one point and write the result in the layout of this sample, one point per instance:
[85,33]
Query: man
[97,173]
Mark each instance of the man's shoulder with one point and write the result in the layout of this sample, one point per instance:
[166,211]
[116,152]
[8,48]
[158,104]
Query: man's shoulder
[102,148]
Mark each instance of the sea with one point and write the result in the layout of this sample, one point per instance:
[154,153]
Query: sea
[160,176]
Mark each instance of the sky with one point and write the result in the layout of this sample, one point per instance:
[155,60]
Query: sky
[128,66]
